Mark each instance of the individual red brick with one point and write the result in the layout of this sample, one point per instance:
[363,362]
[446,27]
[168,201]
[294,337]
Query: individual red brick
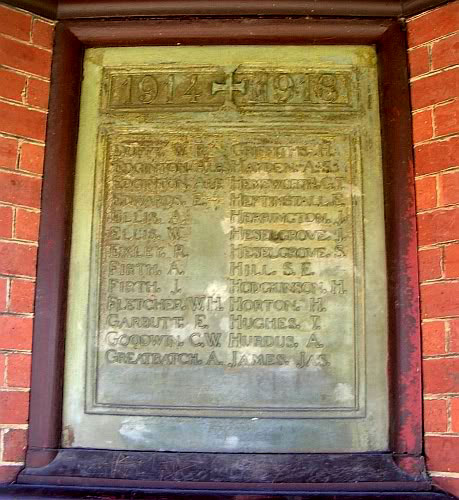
[452,261]
[435,416]
[20,189]
[14,407]
[27,224]
[42,33]
[433,25]
[18,370]
[433,338]
[14,23]
[430,264]
[426,193]
[439,300]
[449,188]
[449,484]
[8,473]
[447,118]
[453,335]
[455,414]
[436,156]
[8,152]
[18,120]
[18,259]
[441,375]
[15,332]
[12,86]
[14,445]
[22,296]
[418,61]
[6,222]
[3,294]
[445,52]
[422,126]
[435,88]
[441,453]
[38,93]
[25,57]
[2,369]
[32,156]
[438,226]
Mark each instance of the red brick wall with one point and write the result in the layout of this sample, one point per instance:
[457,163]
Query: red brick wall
[433,39]
[25,58]
[25,55]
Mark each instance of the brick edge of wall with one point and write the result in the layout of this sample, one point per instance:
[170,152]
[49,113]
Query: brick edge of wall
[25,60]
[433,39]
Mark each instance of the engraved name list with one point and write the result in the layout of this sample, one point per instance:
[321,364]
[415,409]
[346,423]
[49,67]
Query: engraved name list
[230,251]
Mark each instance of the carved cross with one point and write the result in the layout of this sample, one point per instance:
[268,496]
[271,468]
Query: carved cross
[230,86]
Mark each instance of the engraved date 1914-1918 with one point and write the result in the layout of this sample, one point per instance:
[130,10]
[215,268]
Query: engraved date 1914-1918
[210,87]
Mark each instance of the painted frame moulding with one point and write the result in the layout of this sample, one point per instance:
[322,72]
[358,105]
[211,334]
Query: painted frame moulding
[91,9]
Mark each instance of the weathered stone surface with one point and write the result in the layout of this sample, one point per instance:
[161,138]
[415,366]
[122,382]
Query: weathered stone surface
[228,272]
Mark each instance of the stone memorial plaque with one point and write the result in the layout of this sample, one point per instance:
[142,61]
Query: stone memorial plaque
[228,284]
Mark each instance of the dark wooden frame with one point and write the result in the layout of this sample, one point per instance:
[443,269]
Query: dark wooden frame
[400,470]
[76,9]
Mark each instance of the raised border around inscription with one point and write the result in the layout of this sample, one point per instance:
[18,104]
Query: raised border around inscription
[355,411]
[47,366]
